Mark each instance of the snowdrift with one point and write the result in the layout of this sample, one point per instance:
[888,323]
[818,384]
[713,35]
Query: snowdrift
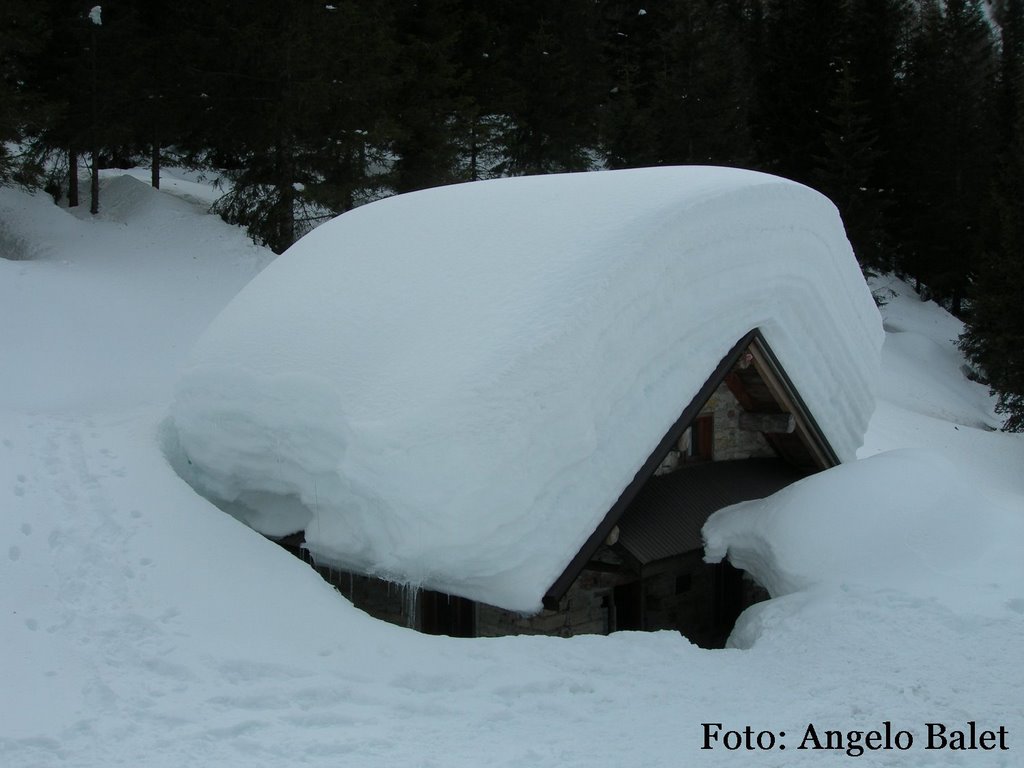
[905,519]
[451,388]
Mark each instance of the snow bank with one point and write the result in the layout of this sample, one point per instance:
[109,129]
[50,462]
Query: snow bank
[141,628]
[452,387]
[924,370]
[905,519]
[149,271]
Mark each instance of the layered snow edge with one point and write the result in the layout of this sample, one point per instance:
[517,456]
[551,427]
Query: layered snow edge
[451,388]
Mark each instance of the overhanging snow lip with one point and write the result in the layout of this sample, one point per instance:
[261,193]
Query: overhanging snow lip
[825,453]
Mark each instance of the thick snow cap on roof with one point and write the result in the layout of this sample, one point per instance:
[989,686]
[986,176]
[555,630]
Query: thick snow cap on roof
[452,387]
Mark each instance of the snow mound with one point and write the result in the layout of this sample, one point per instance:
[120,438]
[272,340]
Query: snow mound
[124,199]
[924,370]
[452,387]
[905,520]
[28,225]
[152,281]
[193,187]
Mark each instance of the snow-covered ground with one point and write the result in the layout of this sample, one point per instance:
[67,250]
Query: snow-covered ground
[141,626]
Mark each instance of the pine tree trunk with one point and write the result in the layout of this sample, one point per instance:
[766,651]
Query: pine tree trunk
[283,228]
[155,158]
[94,187]
[94,184]
[474,174]
[72,177]
[287,190]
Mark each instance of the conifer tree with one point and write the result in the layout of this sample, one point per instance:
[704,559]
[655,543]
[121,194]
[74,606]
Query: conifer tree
[629,41]
[480,52]
[946,148]
[23,34]
[994,335]
[853,168]
[682,90]
[1011,68]
[555,97]
[796,84]
[846,170]
[56,79]
[426,101]
[277,118]
[155,85]
[701,88]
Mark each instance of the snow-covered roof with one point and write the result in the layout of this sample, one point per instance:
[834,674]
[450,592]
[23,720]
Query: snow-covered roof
[452,387]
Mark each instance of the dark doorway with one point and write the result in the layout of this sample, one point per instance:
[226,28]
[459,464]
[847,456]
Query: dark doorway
[442,614]
[629,606]
[731,598]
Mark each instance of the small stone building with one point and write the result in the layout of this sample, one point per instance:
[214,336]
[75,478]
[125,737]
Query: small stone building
[746,435]
[524,397]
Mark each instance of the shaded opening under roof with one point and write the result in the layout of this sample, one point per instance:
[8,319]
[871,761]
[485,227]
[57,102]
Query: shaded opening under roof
[666,517]
[761,386]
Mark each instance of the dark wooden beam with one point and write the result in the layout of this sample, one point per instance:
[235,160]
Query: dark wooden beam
[787,396]
[735,385]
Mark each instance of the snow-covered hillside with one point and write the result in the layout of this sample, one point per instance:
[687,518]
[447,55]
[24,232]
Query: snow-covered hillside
[141,626]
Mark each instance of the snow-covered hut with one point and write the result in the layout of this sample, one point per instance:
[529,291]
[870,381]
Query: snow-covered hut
[524,396]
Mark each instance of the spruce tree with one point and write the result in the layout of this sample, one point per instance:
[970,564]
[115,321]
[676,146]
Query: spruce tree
[629,48]
[796,82]
[23,34]
[1011,69]
[682,91]
[947,148]
[57,78]
[701,88]
[425,103]
[556,95]
[480,53]
[847,167]
[290,108]
[994,335]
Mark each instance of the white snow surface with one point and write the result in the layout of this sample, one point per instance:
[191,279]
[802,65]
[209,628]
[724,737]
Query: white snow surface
[915,513]
[141,626]
[451,388]
[862,523]
[115,276]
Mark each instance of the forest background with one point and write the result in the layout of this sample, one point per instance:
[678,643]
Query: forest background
[908,114]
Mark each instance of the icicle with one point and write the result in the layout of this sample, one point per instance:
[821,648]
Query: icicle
[411,599]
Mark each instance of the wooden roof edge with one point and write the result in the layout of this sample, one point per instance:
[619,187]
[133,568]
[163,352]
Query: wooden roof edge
[815,437]
[806,423]
[561,585]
